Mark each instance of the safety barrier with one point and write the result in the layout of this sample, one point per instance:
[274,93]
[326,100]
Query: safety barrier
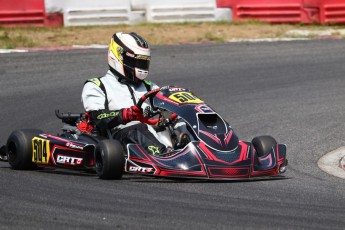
[91,12]
[273,11]
[107,12]
[22,12]
[180,10]
[332,12]
[288,11]
[53,19]
[224,3]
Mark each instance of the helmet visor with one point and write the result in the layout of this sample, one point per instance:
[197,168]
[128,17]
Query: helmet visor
[137,61]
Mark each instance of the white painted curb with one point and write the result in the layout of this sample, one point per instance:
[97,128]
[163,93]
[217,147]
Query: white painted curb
[6,51]
[268,40]
[333,163]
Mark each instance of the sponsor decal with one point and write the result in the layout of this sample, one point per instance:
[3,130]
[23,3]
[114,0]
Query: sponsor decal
[143,57]
[140,169]
[116,50]
[43,136]
[73,146]
[68,160]
[119,49]
[106,115]
[153,149]
[176,89]
[203,108]
[165,87]
[130,55]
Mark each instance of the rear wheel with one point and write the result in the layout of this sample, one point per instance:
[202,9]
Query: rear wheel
[263,144]
[19,148]
[109,159]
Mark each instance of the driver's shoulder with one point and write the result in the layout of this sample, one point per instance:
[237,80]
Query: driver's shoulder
[95,80]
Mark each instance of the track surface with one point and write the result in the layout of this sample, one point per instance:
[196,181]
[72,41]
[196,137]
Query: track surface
[293,91]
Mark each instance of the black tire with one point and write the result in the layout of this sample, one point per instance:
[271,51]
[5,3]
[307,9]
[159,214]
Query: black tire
[19,149]
[109,160]
[263,144]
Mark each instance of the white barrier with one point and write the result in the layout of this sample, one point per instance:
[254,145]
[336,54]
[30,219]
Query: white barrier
[105,12]
[223,14]
[138,14]
[180,10]
[54,6]
[108,12]
[91,12]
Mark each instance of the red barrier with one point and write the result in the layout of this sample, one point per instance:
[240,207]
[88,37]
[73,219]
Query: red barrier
[224,3]
[26,13]
[311,11]
[332,12]
[288,11]
[274,11]
[53,20]
[22,12]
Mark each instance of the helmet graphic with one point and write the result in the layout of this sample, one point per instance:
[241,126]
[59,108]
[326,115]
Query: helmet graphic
[129,56]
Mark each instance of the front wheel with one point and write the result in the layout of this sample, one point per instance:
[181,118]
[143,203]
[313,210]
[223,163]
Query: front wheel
[109,160]
[19,148]
[263,144]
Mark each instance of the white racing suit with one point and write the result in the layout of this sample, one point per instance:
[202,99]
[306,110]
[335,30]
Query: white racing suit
[105,97]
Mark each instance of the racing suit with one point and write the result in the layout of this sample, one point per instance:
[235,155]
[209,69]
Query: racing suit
[104,98]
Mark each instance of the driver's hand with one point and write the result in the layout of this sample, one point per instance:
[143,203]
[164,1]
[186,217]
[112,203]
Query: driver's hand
[131,114]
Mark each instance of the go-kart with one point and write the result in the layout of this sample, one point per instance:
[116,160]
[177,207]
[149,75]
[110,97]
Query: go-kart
[202,144]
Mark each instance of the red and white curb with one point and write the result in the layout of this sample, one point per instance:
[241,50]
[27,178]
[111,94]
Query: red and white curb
[333,163]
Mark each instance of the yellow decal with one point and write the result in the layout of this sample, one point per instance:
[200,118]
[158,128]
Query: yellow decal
[40,150]
[106,115]
[185,97]
[153,149]
[116,50]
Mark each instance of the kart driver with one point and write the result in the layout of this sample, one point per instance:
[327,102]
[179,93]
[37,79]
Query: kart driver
[111,100]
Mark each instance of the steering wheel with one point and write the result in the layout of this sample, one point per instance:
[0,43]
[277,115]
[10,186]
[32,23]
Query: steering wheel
[149,120]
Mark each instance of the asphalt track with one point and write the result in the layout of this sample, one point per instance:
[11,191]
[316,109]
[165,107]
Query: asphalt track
[294,91]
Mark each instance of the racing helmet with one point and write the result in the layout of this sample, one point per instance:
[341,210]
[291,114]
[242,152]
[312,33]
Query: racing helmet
[129,56]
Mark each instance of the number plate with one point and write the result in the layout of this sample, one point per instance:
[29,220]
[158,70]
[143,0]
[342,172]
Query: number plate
[40,150]
[184,98]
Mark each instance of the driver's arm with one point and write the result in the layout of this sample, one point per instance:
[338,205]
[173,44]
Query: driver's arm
[107,119]
[94,101]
